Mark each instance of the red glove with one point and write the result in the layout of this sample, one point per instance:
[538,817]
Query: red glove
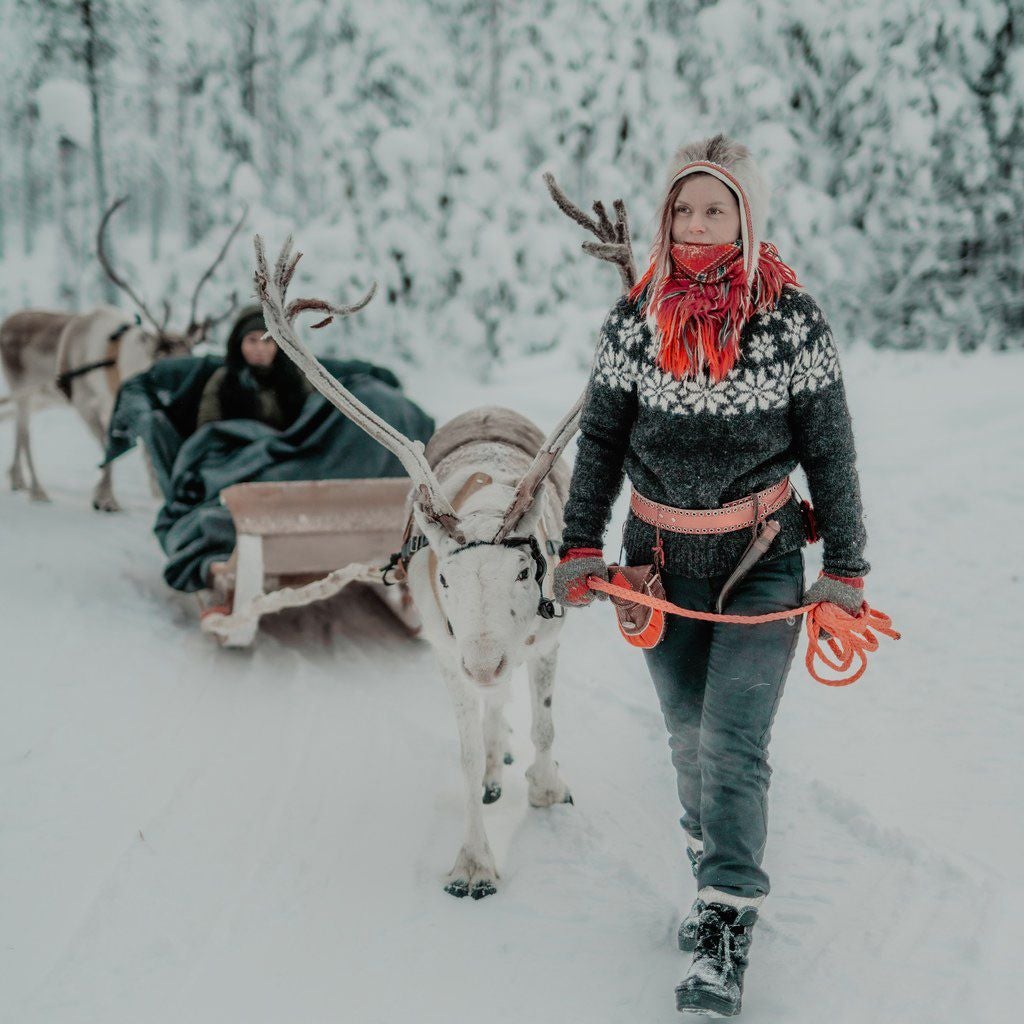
[571,574]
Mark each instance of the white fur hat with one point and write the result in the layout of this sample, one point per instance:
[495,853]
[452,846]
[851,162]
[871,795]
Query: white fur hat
[733,165]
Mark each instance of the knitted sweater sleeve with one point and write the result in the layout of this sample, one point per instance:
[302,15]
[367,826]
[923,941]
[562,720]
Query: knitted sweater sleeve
[609,411]
[823,437]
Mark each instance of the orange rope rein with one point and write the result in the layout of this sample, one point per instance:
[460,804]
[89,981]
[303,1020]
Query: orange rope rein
[848,637]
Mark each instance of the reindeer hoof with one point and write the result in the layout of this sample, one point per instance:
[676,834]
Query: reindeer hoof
[548,797]
[458,888]
[508,757]
[492,793]
[546,788]
[39,495]
[482,889]
[473,875]
[106,505]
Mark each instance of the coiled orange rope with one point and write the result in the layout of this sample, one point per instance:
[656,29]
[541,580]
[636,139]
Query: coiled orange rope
[848,637]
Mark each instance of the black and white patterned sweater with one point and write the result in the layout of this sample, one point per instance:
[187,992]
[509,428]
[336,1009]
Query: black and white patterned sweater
[695,444]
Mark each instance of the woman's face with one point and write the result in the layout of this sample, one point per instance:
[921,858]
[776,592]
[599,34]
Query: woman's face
[705,210]
[258,350]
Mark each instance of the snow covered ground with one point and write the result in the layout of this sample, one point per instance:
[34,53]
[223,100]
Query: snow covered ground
[194,834]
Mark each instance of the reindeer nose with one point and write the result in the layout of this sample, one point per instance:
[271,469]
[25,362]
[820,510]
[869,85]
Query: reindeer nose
[482,673]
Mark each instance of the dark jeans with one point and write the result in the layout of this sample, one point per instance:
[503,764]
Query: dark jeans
[719,686]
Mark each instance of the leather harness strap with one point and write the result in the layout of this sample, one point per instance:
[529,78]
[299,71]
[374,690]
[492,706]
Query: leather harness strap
[475,482]
[65,376]
[751,512]
[735,515]
[411,543]
[113,370]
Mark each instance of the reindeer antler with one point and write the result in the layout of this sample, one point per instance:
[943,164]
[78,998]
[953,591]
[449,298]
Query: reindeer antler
[614,243]
[198,330]
[115,277]
[615,246]
[526,490]
[212,321]
[280,319]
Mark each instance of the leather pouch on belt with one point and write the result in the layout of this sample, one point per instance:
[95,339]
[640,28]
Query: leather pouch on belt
[640,625]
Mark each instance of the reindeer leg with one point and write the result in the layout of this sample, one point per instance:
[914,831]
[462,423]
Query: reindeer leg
[103,499]
[546,785]
[474,873]
[496,731]
[15,473]
[36,491]
[154,482]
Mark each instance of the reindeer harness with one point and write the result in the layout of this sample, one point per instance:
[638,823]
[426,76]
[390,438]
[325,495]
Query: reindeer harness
[413,541]
[108,363]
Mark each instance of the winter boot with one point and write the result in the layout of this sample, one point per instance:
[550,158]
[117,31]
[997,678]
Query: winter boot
[694,850]
[688,929]
[714,984]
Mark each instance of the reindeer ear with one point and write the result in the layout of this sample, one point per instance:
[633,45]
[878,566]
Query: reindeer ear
[436,536]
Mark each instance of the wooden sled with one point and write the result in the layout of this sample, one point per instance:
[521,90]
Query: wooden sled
[302,542]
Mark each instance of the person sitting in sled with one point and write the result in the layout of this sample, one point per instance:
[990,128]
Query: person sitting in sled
[714,378]
[257,381]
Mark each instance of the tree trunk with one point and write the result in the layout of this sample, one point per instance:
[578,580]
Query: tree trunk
[247,77]
[247,60]
[158,180]
[67,242]
[85,8]
[273,124]
[189,214]
[494,38]
[29,186]
[7,133]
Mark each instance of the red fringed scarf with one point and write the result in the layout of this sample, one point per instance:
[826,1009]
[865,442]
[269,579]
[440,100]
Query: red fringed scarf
[701,308]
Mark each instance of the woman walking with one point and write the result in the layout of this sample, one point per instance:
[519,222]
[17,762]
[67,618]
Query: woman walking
[714,378]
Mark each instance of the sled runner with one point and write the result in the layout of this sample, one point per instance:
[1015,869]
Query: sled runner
[302,542]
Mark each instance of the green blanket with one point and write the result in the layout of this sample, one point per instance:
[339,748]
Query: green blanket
[193,528]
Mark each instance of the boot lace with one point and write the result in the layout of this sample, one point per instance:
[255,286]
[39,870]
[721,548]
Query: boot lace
[718,941]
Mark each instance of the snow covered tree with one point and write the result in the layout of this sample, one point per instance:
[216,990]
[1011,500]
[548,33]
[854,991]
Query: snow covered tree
[405,142]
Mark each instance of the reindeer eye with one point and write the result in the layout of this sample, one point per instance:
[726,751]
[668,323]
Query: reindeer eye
[444,582]
[524,575]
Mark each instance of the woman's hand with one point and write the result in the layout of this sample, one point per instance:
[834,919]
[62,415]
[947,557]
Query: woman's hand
[571,576]
[845,591]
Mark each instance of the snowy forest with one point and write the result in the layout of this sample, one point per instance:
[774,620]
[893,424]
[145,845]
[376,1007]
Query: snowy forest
[264,831]
[404,142]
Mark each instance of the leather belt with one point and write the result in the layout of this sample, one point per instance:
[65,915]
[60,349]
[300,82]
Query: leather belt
[735,515]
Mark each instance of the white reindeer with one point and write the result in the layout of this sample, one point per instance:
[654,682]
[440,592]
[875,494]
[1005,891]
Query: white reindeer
[84,358]
[479,572]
